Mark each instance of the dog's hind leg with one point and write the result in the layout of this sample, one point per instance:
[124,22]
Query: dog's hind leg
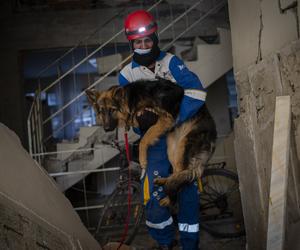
[173,183]
[163,124]
[176,142]
[194,171]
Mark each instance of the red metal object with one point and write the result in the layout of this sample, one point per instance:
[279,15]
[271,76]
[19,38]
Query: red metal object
[125,232]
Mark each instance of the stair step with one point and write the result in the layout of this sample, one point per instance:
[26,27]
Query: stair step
[86,138]
[101,155]
[214,60]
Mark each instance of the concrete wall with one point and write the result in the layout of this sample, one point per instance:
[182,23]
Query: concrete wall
[266,56]
[258,29]
[19,231]
[217,103]
[34,214]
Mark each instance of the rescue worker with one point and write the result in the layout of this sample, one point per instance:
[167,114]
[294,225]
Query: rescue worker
[149,62]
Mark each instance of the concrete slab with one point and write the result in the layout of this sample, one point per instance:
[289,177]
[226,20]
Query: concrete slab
[28,187]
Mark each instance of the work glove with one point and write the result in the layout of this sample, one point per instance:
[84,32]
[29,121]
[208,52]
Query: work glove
[146,119]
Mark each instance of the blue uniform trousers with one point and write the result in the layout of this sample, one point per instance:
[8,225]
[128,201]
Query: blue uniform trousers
[160,223]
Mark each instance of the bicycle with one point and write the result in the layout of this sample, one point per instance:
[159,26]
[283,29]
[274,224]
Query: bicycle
[217,217]
[219,214]
[113,216]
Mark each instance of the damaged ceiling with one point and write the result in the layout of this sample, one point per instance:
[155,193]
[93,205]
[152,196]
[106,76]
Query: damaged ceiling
[44,5]
[48,5]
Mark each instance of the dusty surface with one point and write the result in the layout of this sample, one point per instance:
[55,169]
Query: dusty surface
[25,186]
[144,242]
[258,86]
[266,59]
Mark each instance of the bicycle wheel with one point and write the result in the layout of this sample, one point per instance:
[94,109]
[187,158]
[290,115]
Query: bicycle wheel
[221,213]
[112,220]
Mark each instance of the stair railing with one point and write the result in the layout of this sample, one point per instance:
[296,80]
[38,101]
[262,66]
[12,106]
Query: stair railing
[35,125]
[35,120]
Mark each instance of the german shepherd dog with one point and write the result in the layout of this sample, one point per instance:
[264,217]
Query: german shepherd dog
[189,145]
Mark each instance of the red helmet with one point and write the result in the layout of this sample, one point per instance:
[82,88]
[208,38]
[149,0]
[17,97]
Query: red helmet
[139,24]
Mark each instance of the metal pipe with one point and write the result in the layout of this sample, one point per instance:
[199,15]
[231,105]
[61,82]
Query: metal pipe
[40,127]
[220,5]
[58,80]
[82,61]
[100,206]
[65,124]
[117,66]
[76,46]
[38,131]
[113,69]
[171,12]
[87,65]
[30,127]
[180,16]
[84,171]
[29,137]
[88,207]
[34,131]
[83,92]
[67,151]
[90,55]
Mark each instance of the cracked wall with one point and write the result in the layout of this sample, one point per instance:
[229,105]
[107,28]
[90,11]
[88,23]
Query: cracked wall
[259,28]
[266,56]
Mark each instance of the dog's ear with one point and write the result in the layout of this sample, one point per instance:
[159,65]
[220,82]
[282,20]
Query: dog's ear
[118,93]
[92,95]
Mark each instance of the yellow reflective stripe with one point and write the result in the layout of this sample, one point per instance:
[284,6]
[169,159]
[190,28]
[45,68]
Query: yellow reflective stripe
[146,190]
[200,186]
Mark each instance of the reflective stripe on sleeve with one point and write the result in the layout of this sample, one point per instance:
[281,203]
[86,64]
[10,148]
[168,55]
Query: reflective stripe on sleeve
[161,225]
[195,93]
[184,227]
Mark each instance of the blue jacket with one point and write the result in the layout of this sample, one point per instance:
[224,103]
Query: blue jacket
[170,67]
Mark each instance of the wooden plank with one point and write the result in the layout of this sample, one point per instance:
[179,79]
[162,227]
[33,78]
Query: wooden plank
[279,174]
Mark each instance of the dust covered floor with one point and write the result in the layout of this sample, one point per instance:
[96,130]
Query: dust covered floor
[143,241]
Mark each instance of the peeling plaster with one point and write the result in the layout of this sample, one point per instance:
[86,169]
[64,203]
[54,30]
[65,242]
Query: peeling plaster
[273,69]
[290,70]
[293,7]
[278,75]
[297,22]
[259,53]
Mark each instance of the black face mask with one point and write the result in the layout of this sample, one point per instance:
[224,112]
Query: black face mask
[149,58]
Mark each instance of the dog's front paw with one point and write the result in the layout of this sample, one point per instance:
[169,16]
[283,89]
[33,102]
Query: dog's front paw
[165,202]
[143,162]
[143,173]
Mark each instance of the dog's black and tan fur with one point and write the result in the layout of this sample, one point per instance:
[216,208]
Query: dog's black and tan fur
[190,144]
